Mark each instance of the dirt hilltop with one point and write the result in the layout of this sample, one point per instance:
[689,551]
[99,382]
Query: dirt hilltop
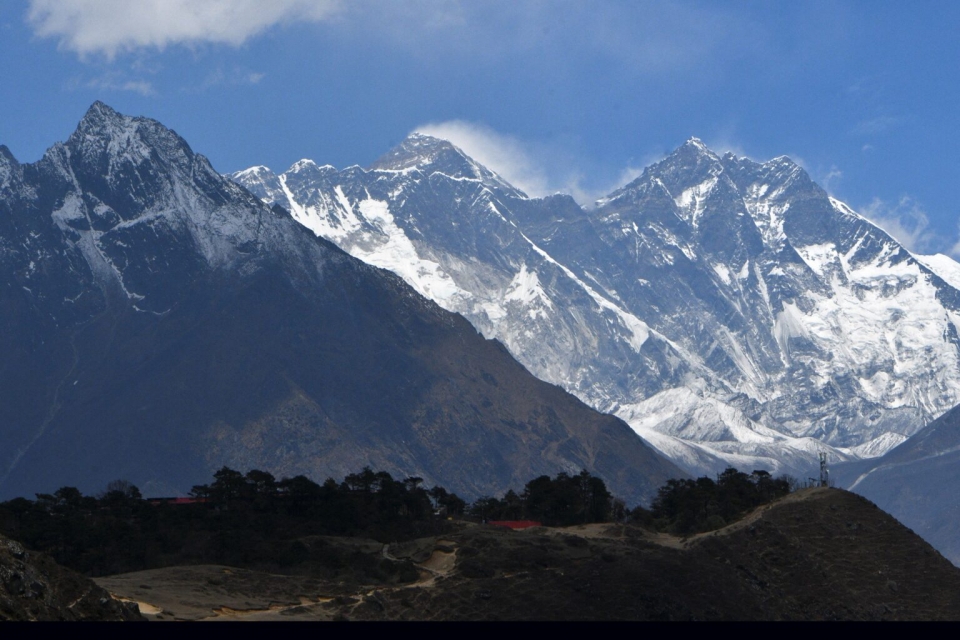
[818,554]
[34,587]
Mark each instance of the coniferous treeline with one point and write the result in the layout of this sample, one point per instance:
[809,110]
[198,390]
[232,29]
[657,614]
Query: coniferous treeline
[556,502]
[254,520]
[693,506]
[249,520]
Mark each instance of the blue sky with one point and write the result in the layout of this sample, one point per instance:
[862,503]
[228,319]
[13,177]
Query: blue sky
[553,94]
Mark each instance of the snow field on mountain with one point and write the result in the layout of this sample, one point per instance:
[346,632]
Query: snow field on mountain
[375,238]
[944,266]
[885,321]
[818,325]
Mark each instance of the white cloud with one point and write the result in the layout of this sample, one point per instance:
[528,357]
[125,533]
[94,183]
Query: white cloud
[114,82]
[142,87]
[232,77]
[874,126]
[627,175]
[113,26]
[907,222]
[831,179]
[661,38]
[536,168]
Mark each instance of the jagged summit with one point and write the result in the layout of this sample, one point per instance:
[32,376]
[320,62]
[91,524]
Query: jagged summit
[419,150]
[690,163]
[259,172]
[99,121]
[102,122]
[148,213]
[308,166]
[693,165]
[101,112]
[302,164]
[6,156]
[137,168]
[114,145]
[695,143]
[430,155]
[693,147]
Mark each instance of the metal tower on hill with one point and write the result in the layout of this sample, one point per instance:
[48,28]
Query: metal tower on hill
[824,472]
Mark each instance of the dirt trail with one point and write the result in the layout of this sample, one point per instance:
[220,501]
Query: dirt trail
[439,565]
[216,593]
[685,542]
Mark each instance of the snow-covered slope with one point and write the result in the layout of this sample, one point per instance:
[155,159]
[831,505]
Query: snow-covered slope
[448,227]
[729,310]
[944,266]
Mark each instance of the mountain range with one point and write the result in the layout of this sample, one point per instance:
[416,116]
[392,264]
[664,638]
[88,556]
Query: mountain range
[160,322]
[730,311]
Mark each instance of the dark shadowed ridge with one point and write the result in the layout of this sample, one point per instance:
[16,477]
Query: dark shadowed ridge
[917,482]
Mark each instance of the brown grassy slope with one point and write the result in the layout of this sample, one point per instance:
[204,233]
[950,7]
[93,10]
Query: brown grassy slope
[819,554]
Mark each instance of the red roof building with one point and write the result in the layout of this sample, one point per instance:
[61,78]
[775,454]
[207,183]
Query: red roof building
[516,524]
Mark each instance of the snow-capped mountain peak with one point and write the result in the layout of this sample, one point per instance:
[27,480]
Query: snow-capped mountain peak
[98,117]
[259,171]
[432,155]
[779,316]
[420,150]
[142,205]
[309,166]
[696,143]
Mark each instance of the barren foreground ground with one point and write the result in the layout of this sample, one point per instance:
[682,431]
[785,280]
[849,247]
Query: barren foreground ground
[816,554]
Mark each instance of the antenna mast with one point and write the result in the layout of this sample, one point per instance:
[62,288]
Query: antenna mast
[824,472]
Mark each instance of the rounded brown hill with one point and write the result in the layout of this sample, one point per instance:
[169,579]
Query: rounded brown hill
[818,554]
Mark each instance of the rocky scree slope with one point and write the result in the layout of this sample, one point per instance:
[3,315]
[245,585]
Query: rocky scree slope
[33,587]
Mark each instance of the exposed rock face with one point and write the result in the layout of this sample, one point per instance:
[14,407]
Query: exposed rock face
[730,311]
[161,321]
[34,587]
